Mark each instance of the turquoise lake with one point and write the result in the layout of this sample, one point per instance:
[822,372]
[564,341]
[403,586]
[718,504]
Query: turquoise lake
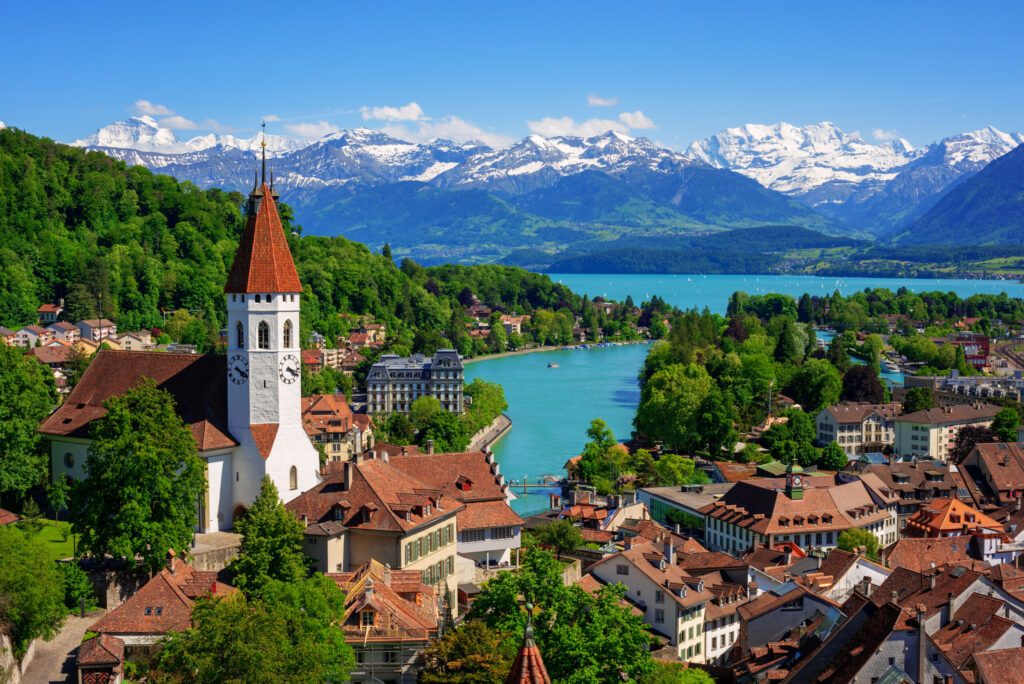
[551,408]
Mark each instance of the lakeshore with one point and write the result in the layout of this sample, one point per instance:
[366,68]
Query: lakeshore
[543,349]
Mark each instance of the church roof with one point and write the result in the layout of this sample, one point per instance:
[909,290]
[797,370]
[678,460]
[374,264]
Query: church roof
[528,667]
[263,262]
[197,383]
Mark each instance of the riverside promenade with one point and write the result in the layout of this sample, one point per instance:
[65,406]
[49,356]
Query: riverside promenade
[489,436]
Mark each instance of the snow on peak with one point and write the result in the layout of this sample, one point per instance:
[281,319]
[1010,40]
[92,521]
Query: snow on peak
[797,159]
[137,133]
[974,149]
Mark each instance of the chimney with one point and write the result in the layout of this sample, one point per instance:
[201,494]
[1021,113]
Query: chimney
[387,574]
[895,596]
[348,475]
[170,560]
[430,446]
[922,643]
[669,550]
[931,579]
[359,458]
[865,586]
[787,555]
[369,589]
[679,528]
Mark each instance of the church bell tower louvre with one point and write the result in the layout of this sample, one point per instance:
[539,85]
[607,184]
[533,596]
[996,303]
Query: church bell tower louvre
[263,295]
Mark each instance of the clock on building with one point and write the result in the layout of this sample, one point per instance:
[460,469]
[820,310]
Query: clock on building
[290,369]
[238,369]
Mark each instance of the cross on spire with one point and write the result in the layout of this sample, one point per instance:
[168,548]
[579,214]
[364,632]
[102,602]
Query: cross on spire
[263,151]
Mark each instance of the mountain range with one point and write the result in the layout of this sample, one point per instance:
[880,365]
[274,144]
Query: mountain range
[446,201]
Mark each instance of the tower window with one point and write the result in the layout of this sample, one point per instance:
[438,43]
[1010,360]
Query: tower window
[293,478]
[287,334]
[270,298]
[257,299]
[240,334]
[264,334]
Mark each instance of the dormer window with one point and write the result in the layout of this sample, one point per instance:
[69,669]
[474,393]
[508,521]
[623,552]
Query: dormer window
[366,618]
[426,510]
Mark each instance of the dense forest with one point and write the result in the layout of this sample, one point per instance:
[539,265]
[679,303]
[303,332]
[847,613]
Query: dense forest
[150,252]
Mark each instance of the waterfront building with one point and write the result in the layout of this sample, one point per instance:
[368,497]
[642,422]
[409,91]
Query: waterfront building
[244,408]
[394,383]
[390,618]
[810,513]
[857,427]
[931,433]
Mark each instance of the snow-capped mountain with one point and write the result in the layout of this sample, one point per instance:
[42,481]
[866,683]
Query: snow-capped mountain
[145,134]
[820,161]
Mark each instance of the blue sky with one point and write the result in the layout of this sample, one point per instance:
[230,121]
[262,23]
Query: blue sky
[673,71]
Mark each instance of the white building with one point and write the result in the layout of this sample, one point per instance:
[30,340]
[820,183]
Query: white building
[931,433]
[244,410]
[857,427]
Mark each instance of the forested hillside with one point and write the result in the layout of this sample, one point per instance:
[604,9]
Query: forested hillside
[148,251]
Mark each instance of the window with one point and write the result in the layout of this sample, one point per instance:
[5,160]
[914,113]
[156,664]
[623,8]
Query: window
[264,335]
[470,536]
[621,569]
[659,616]
[239,335]
[390,657]
[257,299]
[293,478]
[502,532]
[366,618]
[69,459]
[659,596]
[287,334]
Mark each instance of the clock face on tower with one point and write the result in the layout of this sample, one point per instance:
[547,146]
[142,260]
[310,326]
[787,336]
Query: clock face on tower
[797,480]
[290,369]
[238,369]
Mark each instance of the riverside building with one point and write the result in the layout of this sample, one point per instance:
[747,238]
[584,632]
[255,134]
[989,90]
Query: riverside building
[395,382]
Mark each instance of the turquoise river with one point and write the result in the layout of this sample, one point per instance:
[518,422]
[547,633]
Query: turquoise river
[551,408]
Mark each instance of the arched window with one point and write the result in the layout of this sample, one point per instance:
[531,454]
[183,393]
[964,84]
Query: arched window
[293,478]
[264,335]
[257,299]
[240,335]
[287,334]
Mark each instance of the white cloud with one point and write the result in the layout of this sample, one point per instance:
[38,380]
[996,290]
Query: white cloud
[882,135]
[147,108]
[636,119]
[449,127]
[409,112]
[270,118]
[551,126]
[178,122]
[312,129]
[598,101]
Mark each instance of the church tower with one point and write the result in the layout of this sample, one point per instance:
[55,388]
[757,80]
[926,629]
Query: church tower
[264,367]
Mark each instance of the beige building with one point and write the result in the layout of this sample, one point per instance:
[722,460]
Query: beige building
[367,509]
[673,601]
[858,427]
[932,433]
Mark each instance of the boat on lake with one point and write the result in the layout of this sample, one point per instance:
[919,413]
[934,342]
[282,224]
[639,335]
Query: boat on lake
[552,365]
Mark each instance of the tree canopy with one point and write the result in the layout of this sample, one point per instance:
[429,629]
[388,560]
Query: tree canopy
[271,547]
[27,395]
[31,589]
[143,479]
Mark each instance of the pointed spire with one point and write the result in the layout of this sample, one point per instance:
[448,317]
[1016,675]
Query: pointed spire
[528,667]
[263,262]
[263,151]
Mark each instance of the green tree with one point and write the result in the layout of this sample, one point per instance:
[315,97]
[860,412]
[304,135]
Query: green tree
[837,354]
[815,385]
[715,424]
[918,399]
[669,402]
[472,653]
[78,362]
[31,591]
[584,638]
[832,457]
[789,348]
[676,673]
[496,338]
[397,429]
[271,546]
[673,469]
[77,586]
[967,437]
[57,494]
[560,535]
[27,395]
[422,410]
[851,539]
[143,479]
[291,634]
[446,431]
[1005,424]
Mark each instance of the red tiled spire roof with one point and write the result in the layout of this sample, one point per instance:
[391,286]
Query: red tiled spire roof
[528,667]
[263,262]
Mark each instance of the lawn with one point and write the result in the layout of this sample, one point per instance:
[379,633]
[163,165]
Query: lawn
[50,535]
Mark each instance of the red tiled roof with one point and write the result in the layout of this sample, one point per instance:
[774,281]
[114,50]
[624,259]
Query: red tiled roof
[951,414]
[102,649]
[320,412]
[528,667]
[53,355]
[197,383]
[263,262]
[164,603]
[6,517]
[404,607]
[918,553]
[943,516]
[264,435]
[976,626]
[50,308]
[1003,666]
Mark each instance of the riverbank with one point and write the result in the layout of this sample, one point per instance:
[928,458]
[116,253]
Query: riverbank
[490,435]
[535,350]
